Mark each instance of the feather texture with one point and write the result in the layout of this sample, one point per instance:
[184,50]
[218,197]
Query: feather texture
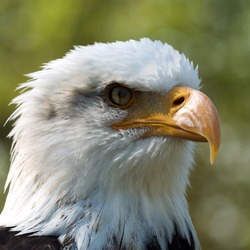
[75,177]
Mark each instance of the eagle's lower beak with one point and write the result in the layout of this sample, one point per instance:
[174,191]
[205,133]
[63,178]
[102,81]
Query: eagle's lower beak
[184,113]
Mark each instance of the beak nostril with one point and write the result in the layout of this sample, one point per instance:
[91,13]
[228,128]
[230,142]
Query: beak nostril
[178,101]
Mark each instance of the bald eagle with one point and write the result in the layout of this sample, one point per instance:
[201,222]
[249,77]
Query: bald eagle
[102,150]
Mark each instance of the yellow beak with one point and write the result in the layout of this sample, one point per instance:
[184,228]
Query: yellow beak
[185,113]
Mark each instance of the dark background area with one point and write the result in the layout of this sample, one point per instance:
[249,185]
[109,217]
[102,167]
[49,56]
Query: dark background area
[214,34]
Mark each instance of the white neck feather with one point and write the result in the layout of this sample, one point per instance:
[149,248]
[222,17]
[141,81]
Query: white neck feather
[107,192]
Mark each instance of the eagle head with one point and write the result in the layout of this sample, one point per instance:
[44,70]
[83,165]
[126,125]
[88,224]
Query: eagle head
[103,146]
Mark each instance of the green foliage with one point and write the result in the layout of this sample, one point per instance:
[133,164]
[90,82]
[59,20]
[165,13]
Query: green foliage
[214,34]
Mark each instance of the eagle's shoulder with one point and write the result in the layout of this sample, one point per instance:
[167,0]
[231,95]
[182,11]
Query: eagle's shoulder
[9,240]
[177,243]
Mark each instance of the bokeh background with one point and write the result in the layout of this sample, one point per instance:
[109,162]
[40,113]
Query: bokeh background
[214,34]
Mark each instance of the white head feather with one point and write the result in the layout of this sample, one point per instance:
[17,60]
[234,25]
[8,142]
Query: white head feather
[72,174]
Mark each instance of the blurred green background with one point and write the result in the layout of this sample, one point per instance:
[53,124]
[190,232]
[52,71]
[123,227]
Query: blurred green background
[214,34]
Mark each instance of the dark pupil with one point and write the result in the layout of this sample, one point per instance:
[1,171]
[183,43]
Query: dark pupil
[121,96]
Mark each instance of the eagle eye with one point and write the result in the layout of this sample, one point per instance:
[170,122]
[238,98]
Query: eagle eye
[119,95]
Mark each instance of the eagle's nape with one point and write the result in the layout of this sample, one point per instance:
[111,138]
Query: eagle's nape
[102,150]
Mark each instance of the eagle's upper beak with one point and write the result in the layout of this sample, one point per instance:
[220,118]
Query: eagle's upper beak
[184,113]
